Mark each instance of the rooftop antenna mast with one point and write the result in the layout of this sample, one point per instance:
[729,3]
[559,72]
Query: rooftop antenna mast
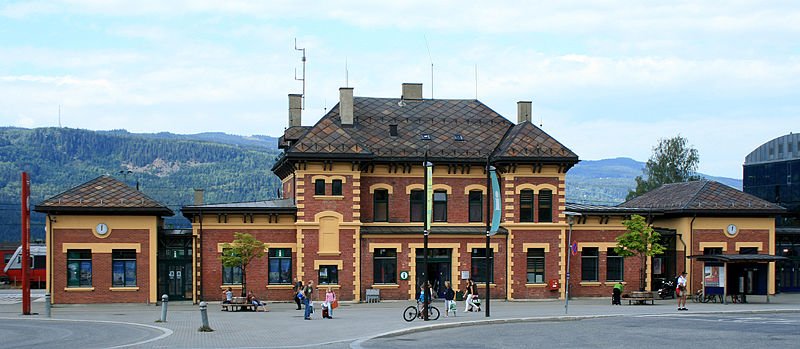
[303,78]
[476,81]
[346,74]
[59,116]
[431,59]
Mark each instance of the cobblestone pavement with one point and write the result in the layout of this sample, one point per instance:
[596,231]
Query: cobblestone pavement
[284,327]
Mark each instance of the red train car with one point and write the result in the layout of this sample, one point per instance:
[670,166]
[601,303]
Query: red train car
[13,268]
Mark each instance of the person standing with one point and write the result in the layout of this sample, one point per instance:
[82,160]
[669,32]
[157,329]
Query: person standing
[330,297]
[449,299]
[308,292]
[297,288]
[680,291]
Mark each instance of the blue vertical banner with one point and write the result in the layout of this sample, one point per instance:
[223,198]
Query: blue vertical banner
[429,195]
[497,202]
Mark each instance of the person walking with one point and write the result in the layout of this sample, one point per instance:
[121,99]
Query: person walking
[468,296]
[308,292]
[330,299]
[297,288]
[449,299]
[680,291]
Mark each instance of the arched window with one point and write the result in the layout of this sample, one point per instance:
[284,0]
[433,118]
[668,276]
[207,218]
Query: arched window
[475,206]
[440,206]
[545,205]
[380,205]
[417,205]
[526,205]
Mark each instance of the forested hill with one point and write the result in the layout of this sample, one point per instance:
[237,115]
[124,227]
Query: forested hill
[230,168]
[167,167]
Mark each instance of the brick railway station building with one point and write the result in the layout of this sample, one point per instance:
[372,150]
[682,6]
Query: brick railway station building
[352,210]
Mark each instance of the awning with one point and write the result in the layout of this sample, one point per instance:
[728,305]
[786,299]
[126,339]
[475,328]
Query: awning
[739,258]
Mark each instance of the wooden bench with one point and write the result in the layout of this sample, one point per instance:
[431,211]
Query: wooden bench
[238,304]
[638,297]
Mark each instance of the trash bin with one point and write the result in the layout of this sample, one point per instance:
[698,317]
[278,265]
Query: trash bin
[460,296]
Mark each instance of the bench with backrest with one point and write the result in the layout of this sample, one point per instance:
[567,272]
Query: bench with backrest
[639,297]
[238,303]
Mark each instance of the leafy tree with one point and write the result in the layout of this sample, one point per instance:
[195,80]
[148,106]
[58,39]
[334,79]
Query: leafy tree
[673,161]
[240,253]
[641,241]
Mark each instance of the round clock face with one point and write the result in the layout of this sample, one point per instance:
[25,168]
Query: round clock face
[732,229]
[101,229]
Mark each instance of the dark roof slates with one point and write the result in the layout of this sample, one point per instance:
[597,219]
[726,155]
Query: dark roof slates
[103,194]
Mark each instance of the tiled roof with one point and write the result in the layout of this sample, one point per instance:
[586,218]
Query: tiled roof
[291,134]
[703,195]
[528,141]
[103,194]
[459,129]
[606,210]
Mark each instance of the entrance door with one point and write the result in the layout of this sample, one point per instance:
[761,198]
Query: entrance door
[176,273]
[789,275]
[438,271]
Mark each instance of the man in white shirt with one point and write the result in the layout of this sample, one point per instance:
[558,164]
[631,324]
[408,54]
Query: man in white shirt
[680,291]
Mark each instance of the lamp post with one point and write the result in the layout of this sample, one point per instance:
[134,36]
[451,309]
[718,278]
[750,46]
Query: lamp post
[428,213]
[570,220]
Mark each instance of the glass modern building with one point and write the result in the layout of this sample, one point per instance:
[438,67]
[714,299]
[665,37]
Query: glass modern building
[772,173]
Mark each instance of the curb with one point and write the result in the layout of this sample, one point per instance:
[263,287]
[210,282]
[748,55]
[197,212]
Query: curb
[357,344]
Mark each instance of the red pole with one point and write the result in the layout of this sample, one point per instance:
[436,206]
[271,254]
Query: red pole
[26,247]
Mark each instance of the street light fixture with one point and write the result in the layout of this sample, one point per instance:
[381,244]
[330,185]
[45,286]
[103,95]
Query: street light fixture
[570,220]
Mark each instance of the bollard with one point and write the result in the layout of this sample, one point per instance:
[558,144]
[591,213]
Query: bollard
[204,315]
[164,301]
[47,304]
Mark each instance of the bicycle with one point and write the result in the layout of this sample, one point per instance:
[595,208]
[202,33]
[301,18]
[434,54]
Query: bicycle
[413,312]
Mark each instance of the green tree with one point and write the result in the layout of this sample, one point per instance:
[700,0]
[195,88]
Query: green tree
[673,161]
[243,250]
[641,241]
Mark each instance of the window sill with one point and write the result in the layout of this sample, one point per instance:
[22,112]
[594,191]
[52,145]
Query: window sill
[123,289]
[279,287]
[535,285]
[612,283]
[79,289]
[482,285]
[591,283]
[329,197]
[233,287]
[385,286]
[329,254]
[325,286]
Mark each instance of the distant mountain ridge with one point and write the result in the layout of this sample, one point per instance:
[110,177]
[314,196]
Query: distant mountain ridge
[230,168]
[607,181]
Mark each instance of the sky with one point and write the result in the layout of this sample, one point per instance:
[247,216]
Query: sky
[606,78]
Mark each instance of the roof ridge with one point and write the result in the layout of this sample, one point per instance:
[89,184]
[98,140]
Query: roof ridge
[696,194]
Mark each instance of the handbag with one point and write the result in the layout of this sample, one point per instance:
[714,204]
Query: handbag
[335,304]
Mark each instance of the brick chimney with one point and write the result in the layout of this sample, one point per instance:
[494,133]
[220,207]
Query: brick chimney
[523,111]
[295,109]
[412,91]
[198,196]
[346,105]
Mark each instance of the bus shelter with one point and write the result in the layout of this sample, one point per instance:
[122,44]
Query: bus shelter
[737,275]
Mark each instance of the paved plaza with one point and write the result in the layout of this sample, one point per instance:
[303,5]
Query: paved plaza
[135,325]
